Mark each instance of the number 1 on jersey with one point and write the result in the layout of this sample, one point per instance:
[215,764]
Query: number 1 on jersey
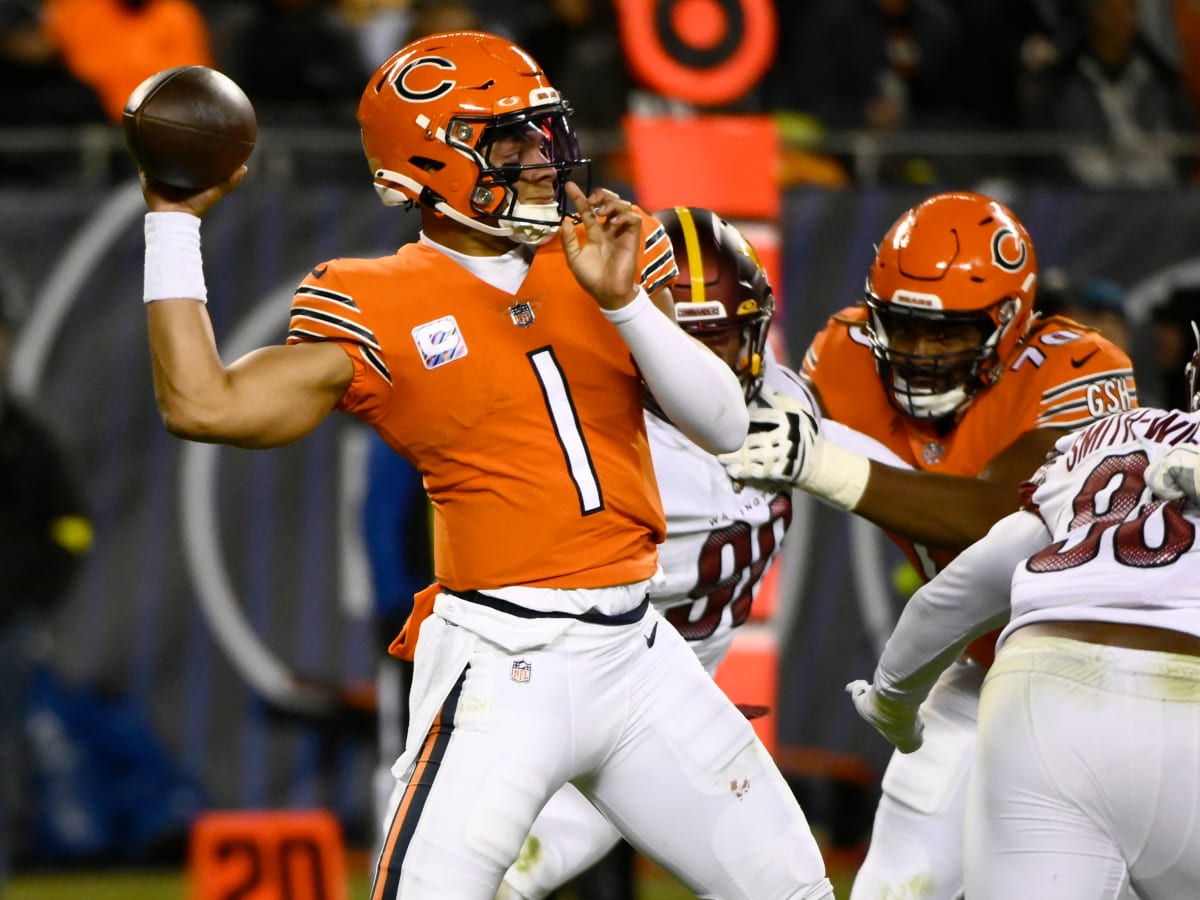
[566,428]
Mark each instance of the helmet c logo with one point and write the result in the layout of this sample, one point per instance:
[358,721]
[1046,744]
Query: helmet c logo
[1006,261]
[442,87]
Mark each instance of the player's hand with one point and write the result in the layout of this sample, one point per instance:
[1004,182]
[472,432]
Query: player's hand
[781,438]
[605,264]
[164,198]
[899,723]
[1175,476]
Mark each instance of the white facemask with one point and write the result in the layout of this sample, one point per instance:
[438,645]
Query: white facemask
[921,404]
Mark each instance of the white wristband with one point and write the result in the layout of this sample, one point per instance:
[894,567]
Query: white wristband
[836,474]
[631,310]
[174,267]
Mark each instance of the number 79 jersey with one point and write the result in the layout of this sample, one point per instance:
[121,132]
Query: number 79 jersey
[1062,376]
[1118,553]
[721,536]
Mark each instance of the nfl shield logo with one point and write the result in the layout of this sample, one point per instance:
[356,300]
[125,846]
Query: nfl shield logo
[522,314]
[521,671]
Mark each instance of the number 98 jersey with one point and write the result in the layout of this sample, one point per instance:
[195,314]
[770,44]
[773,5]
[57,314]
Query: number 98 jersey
[721,536]
[1119,553]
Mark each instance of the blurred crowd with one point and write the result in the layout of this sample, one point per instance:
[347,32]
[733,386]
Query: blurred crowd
[1103,93]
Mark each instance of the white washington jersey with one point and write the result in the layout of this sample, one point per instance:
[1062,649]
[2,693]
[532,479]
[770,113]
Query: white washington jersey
[1118,553]
[721,536]
[1091,543]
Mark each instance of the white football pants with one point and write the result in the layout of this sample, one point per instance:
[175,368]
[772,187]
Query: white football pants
[629,714]
[916,841]
[1087,777]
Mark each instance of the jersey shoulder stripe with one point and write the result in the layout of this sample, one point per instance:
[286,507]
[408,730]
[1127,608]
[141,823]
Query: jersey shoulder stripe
[1073,386]
[1073,405]
[810,358]
[347,327]
[375,361]
[654,237]
[658,258]
[836,328]
[326,294]
[658,284]
[321,312]
[1078,374]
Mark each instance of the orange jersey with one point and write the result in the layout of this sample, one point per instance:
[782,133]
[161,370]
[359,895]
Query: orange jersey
[1062,375]
[522,412]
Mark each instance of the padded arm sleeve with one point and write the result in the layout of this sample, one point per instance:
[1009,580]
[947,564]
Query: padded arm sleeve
[697,391]
[968,598]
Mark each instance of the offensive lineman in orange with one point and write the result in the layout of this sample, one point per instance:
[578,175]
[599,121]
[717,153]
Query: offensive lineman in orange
[505,354]
[946,364]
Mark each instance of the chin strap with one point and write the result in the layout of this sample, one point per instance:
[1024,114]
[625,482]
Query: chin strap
[528,232]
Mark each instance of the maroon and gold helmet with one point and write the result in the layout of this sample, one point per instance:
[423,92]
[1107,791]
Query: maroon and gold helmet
[722,285]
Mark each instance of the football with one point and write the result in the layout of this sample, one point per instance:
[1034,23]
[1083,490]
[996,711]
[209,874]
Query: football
[189,127]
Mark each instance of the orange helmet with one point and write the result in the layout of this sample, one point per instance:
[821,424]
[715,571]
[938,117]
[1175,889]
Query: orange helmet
[955,259]
[722,285]
[431,113]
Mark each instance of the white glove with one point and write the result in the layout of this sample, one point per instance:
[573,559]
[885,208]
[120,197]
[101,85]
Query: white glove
[784,444]
[898,722]
[1176,475]
[781,436]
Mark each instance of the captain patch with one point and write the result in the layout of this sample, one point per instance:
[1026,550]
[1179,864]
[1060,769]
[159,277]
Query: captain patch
[439,342]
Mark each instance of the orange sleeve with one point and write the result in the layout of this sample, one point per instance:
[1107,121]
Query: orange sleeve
[839,385]
[1080,380]
[813,353]
[326,308]
[658,269]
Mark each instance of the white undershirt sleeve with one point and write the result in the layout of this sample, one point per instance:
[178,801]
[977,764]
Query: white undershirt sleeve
[968,598]
[697,391]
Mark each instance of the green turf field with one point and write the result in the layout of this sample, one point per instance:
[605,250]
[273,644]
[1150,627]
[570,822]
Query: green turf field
[170,886]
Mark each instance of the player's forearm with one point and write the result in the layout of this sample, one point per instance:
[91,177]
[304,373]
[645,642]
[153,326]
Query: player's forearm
[191,385]
[968,598]
[945,511]
[270,397]
[697,391]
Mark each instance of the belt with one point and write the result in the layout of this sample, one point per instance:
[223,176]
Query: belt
[1118,634]
[628,617]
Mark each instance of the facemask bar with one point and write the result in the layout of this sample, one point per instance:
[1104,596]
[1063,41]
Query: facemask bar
[750,351]
[945,381]
[495,192]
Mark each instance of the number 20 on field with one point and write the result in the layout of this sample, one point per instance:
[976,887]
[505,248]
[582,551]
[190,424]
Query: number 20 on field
[278,855]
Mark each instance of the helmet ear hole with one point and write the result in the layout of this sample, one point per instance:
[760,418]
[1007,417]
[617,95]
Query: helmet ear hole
[425,164]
